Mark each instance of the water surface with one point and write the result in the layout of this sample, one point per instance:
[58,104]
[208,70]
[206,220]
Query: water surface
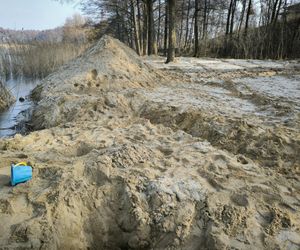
[20,88]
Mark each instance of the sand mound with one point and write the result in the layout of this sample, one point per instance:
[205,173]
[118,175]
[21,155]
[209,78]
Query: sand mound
[108,66]
[6,98]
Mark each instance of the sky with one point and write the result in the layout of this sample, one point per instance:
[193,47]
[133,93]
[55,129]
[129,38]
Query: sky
[35,14]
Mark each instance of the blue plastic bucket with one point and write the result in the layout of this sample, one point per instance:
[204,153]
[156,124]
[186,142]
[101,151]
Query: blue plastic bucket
[20,173]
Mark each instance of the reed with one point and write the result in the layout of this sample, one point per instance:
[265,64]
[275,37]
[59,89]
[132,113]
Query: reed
[36,59]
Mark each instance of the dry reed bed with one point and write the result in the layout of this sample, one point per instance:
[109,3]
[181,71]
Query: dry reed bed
[37,59]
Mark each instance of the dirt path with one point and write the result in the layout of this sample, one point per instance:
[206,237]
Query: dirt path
[133,157]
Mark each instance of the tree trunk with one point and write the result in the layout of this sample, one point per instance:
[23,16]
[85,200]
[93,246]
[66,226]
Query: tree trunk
[228,18]
[145,29]
[205,24]
[187,24]
[232,17]
[196,29]
[242,16]
[135,28]
[190,39]
[247,17]
[159,24]
[151,32]
[269,16]
[166,28]
[181,23]
[274,11]
[172,31]
[204,20]
[140,26]
[278,10]
[118,24]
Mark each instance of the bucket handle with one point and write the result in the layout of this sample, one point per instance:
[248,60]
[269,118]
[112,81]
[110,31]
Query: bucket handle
[21,164]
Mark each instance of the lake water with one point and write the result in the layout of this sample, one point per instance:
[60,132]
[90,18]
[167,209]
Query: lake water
[20,88]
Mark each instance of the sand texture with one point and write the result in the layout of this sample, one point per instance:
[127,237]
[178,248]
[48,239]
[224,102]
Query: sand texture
[130,153]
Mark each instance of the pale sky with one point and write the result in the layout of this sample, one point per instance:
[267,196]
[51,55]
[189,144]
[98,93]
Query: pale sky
[35,14]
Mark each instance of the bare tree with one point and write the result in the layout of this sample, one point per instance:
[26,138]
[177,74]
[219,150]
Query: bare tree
[135,27]
[172,31]
[196,28]
[231,28]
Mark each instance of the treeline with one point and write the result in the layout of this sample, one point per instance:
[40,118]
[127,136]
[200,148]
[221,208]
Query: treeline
[25,36]
[231,28]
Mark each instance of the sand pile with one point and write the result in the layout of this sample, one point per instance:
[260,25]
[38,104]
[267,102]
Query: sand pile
[6,98]
[109,66]
[128,166]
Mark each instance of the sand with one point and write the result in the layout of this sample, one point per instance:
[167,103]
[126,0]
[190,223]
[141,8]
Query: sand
[129,156]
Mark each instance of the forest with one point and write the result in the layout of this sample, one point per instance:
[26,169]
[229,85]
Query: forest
[233,28]
[241,29]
